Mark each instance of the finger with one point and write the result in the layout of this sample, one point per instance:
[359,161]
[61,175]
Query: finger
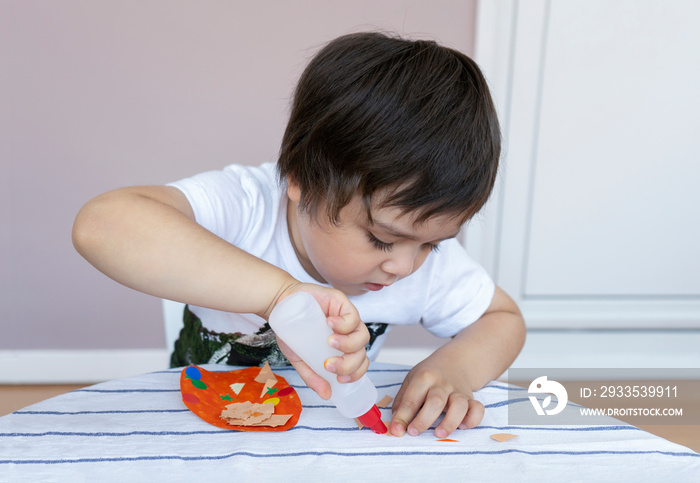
[433,406]
[474,416]
[335,303]
[361,371]
[315,382]
[457,407]
[407,403]
[308,375]
[348,365]
[348,326]
[352,342]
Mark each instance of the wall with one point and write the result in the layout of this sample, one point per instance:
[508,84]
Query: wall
[98,95]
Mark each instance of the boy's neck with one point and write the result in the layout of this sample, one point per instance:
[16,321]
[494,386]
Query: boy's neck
[295,239]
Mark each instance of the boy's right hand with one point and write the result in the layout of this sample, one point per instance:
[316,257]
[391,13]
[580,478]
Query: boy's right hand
[350,337]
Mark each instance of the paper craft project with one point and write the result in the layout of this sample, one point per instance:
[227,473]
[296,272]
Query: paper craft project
[251,399]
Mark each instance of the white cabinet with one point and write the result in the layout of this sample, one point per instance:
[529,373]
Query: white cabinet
[595,222]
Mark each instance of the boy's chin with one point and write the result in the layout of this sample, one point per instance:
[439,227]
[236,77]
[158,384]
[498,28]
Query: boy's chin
[351,290]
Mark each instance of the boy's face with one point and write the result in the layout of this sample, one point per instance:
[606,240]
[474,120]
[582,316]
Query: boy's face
[357,256]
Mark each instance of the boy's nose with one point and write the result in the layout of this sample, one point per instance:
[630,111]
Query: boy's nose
[399,264]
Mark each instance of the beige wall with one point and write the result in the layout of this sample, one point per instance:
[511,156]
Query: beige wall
[97,95]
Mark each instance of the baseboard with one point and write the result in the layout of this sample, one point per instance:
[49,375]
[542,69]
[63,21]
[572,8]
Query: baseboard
[78,366]
[589,349]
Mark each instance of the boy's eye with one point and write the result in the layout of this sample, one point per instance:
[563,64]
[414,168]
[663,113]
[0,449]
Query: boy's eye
[384,246]
[433,246]
[379,244]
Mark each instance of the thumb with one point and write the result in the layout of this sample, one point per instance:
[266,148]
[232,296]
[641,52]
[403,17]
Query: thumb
[315,382]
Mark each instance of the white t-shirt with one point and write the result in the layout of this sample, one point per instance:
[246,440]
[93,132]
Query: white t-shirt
[246,206]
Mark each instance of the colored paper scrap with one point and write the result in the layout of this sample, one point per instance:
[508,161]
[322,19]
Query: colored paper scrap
[265,374]
[501,437]
[237,387]
[446,440]
[253,414]
[247,413]
[285,391]
[384,402]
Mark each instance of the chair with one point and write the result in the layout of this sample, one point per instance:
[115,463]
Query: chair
[172,317]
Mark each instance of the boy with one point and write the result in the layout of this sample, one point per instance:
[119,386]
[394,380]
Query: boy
[391,146]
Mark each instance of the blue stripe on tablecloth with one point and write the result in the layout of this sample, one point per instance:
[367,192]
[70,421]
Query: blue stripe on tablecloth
[309,406]
[347,454]
[22,412]
[298,427]
[106,411]
[504,403]
[296,387]
[126,390]
[274,369]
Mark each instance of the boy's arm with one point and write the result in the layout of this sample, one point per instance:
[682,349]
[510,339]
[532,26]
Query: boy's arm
[146,238]
[445,381]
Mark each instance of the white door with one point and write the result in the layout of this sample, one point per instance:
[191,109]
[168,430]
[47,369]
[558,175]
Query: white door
[595,222]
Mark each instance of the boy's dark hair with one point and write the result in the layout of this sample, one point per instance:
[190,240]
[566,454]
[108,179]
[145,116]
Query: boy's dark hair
[372,112]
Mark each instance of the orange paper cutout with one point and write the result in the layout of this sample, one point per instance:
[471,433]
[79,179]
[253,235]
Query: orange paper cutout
[208,395]
[448,440]
[384,402]
[502,437]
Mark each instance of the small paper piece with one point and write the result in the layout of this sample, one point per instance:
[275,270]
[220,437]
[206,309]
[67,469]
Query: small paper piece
[265,374]
[247,413]
[501,437]
[270,383]
[359,424]
[237,387]
[449,440]
[384,402]
[275,420]
[253,414]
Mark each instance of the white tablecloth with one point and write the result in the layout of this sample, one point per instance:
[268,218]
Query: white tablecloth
[138,429]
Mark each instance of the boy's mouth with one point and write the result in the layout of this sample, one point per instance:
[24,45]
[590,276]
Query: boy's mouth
[374,286]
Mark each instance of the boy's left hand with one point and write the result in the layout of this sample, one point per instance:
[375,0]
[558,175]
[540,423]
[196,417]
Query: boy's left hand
[432,387]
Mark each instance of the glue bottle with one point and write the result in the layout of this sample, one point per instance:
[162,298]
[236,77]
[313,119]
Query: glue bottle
[299,321]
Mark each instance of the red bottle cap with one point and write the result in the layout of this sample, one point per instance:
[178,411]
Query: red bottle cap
[373,420]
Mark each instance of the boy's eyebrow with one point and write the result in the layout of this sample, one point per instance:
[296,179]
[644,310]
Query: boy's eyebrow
[391,230]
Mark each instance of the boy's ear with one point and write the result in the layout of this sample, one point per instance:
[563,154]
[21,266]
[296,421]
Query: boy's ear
[293,190]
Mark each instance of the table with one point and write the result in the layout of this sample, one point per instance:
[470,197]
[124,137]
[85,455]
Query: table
[138,429]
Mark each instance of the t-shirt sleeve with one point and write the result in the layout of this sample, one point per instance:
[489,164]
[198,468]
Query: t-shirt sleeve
[460,291]
[230,203]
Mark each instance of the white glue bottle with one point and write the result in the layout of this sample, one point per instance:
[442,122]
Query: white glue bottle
[299,321]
